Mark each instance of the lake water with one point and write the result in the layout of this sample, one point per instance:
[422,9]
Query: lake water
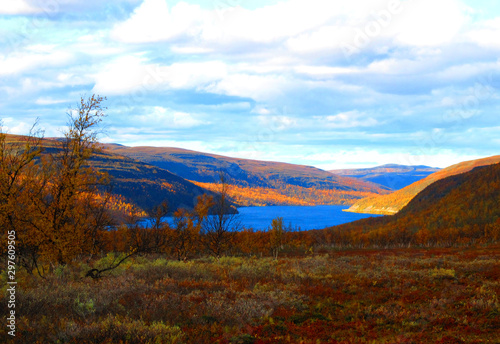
[305,217]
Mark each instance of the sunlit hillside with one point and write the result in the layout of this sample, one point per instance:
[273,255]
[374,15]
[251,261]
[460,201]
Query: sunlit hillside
[392,203]
[257,182]
[459,209]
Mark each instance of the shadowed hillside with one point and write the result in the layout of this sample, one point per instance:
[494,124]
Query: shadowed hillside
[291,184]
[147,185]
[462,208]
[141,184]
[393,176]
[392,203]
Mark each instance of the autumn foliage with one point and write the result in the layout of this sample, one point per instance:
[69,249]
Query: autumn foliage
[458,210]
[339,297]
[49,199]
[392,203]
[289,195]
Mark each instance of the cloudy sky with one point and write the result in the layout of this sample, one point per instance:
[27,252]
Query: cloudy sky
[329,83]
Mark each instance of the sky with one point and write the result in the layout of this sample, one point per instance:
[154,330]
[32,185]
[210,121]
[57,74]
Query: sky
[328,83]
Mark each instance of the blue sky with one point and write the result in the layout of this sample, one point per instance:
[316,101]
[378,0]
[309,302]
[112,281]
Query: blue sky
[334,84]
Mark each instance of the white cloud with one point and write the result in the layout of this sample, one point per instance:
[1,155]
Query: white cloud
[193,75]
[21,62]
[189,49]
[159,118]
[305,23]
[324,39]
[470,70]
[350,119]
[121,76]
[428,22]
[325,70]
[257,87]
[262,111]
[268,24]
[228,107]
[49,101]
[486,34]
[398,66]
[130,73]
[152,21]
[276,122]
[14,126]
[16,7]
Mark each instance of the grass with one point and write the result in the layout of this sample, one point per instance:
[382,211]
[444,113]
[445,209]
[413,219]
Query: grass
[363,296]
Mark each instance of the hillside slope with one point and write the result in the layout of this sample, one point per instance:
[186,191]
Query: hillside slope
[461,208]
[393,176]
[291,184]
[139,183]
[147,185]
[392,203]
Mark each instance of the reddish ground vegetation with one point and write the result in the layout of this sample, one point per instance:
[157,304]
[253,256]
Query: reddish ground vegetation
[447,295]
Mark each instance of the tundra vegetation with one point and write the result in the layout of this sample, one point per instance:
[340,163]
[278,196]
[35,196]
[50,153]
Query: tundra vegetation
[349,296]
[85,278]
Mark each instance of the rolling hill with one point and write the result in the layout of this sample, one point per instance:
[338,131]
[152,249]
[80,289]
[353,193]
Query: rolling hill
[392,203]
[393,176]
[147,185]
[281,183]
[461,208]
[139,183]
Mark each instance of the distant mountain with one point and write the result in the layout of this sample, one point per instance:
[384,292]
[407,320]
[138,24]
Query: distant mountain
[461,208]
[392,203]
[393,176]
[290,184]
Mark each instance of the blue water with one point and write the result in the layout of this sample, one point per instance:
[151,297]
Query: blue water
[299,217]
[305,217]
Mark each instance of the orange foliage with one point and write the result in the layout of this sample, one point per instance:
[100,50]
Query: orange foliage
[287,195]
[392,203]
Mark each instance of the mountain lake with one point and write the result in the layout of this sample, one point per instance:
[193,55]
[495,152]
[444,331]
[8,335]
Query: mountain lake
[300,217]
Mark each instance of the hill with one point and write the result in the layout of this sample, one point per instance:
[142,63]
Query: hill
[136,182]
[256,182]
[462,208]
[393,176]
[147,185]
[392,203]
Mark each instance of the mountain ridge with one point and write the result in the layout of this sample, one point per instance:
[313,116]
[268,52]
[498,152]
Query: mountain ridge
[392,203]
[393,176]
[459,209]
[297,181]
[139,183]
